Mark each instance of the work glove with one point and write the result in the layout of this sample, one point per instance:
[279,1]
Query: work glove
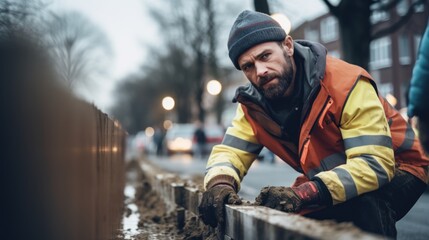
[288,199]
[212,207]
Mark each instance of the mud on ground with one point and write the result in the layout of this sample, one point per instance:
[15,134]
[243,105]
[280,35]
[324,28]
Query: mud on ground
[156,221]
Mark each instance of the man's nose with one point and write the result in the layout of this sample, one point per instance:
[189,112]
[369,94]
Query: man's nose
[261,69]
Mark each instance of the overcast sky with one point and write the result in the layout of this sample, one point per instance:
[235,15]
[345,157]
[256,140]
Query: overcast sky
[129,28]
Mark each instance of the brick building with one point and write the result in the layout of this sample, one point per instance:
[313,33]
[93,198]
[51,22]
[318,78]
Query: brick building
[391,57]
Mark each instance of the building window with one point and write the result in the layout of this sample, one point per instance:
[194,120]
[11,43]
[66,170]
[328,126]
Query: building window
[380,53]
[311,35]
[402,7]
[378,15]
[419,7]
[335,53]
[404,49]
[329,29]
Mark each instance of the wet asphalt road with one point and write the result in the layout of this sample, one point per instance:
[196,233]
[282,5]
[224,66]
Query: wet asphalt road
[414,226]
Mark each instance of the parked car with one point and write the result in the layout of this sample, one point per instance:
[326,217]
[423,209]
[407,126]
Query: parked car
[180,138]
[214,134]
[143,143]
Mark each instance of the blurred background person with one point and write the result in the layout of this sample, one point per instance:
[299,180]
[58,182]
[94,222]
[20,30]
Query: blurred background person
[158,139]
[419,89]
[200,139]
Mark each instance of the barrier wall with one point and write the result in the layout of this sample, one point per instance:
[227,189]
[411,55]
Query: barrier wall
[247,222]
[61,160]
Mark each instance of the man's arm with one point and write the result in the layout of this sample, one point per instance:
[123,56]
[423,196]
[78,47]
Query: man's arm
[368,147]
[229,162]
[226,167]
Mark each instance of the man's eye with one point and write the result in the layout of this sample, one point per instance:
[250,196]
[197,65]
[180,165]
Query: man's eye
[247,67]
[265,56]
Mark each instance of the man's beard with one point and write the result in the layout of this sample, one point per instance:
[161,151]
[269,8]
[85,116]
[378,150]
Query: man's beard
[275,91]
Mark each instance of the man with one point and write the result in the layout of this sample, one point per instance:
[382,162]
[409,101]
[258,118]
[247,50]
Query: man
[360,160]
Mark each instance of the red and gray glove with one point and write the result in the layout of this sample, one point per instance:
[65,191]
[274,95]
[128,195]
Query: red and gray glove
[288,199]
[212,207]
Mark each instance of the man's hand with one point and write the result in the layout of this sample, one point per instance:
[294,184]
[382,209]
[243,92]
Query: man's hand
[288,199]
[212,207]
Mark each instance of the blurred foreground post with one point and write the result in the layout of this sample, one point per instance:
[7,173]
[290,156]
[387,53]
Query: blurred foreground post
[62,169]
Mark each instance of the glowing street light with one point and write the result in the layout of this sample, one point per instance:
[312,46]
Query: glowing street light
[283,21]
[149,131]
[168,103]
[214,87]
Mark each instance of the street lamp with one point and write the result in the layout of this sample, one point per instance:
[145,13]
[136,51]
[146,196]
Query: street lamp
[214,87]
[168,103]
[283,21]
[149,131]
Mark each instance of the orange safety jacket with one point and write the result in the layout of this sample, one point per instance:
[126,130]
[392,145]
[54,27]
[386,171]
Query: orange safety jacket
[345,140]
[321,126]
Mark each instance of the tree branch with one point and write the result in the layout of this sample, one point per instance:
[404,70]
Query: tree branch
[332,9]
[387,5]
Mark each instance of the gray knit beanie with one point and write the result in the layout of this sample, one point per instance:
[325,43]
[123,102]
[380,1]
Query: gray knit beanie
[249,29]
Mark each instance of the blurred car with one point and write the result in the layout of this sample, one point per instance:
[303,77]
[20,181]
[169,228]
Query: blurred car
[179,138]
[214,135]
[143,143]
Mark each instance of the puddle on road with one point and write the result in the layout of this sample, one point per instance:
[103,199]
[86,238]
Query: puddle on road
[131,217]
[140,222]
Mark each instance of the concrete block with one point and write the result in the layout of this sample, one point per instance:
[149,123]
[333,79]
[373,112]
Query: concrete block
[254,222]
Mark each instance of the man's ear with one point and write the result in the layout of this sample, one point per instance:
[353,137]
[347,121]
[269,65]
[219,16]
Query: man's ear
[288,45]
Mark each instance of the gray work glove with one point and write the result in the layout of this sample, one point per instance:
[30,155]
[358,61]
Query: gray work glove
[212,207]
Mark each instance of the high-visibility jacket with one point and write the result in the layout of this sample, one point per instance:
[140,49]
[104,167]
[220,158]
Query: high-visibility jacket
[351,139]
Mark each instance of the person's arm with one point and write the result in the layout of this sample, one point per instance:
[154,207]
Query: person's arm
[419,84]
[368,146]
[226,167]
[229,162]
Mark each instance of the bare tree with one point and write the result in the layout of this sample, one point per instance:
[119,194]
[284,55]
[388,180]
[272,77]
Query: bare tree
[138,102]
[79,47]
[20,16]
[192,27]
[179,68]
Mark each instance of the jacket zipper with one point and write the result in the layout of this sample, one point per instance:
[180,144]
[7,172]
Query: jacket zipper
[304,150]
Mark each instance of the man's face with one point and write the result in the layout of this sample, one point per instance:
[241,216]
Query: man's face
[270,68]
